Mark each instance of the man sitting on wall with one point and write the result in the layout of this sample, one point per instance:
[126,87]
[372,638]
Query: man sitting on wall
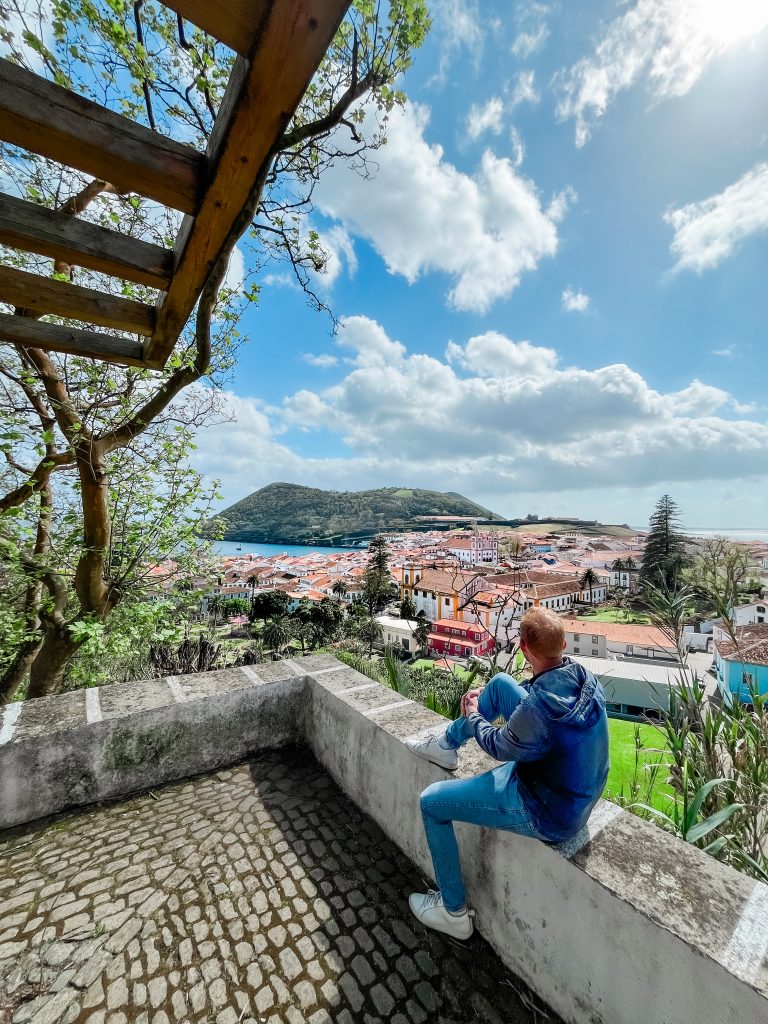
[554,743]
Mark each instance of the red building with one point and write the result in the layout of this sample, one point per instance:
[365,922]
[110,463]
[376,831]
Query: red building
[460,639]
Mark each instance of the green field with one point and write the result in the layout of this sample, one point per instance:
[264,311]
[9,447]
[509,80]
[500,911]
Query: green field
[622,754]
[539,529]
[616,615]
[460,673]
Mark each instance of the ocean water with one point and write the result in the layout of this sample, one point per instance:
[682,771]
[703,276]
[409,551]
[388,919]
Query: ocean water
[732,534]
[229,547]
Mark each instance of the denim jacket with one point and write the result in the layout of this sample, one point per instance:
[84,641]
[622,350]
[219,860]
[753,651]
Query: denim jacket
[558,738]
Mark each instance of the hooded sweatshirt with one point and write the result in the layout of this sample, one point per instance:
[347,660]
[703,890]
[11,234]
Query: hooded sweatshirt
[558,738]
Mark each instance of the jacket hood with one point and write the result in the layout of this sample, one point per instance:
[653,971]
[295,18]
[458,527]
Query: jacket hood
[567,693]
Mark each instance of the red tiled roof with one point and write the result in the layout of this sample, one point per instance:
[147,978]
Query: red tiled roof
[460,624]
[457,640]
[645,636]
[442,582]
[751,647]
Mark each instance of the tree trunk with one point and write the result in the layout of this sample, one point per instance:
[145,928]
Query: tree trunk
[48,668]
[16,672]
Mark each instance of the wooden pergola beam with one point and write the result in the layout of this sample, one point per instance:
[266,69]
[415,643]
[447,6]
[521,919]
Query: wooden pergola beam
[236,23]
[35,228]
[44,295]
[30,333]
[45,118]
[259,103]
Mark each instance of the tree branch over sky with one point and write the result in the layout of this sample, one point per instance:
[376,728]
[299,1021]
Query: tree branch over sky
[96,456]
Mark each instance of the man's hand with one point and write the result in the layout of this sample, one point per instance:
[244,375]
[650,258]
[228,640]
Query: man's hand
[469,701]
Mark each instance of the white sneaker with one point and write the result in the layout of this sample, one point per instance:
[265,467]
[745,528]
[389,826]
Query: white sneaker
[428,908]
[430,749]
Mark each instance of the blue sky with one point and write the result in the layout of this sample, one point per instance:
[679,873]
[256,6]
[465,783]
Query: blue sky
[553,295]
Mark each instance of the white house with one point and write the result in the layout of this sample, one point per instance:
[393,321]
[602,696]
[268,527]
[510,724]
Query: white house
[632,690]
[475,549]
[614,639]
[398,633]
[742,615]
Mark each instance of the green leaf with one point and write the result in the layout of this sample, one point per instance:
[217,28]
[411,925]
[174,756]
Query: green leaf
[712,822]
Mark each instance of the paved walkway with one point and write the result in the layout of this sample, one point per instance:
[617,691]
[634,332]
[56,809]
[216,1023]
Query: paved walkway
[258,894]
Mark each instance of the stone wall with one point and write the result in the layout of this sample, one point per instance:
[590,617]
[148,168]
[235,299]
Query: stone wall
[623,925]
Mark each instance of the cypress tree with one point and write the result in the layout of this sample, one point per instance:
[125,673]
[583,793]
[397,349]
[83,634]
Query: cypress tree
[665,552]
[377,586]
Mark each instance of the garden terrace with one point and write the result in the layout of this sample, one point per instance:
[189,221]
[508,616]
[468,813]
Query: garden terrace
[230,879]
[279,46]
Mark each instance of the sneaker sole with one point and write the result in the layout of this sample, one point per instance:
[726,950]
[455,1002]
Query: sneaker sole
[444,931]
[424,757]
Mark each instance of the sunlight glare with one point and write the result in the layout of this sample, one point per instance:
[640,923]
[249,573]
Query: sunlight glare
[728,21]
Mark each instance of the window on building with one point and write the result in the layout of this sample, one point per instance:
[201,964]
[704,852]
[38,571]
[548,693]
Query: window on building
[577,636]
[635,709]
[594,639]
[595,652]
[576,650]
[447,600]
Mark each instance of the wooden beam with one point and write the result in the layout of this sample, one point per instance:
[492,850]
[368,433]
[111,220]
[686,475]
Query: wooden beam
[255,112]
[35,228]
[236,23]
[29,333]
[44,295]
[55,122]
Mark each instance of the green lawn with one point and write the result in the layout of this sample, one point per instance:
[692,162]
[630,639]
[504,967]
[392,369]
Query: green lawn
[460,673]
[622,754]
[615,615]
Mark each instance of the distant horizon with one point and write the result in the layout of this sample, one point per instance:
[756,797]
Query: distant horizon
[550,291]
[761,532]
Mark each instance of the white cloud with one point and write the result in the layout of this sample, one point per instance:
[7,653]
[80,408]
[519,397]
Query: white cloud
[486,117]
[498,418]
[235,274]
[494,355]
[666,43]
[707,232]
[532,30]
[323,360]
[489,116]
[458,26]
[575,302]
[726,353]
[518,146]
[422,214]
[339,250]
[370,342]
[523,90]
[700,399]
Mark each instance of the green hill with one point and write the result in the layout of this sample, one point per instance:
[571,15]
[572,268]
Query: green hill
[290,514]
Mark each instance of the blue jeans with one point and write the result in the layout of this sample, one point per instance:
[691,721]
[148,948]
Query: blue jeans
[492,799]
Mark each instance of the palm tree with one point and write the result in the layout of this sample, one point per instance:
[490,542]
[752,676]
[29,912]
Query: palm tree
[589,580]
[370,632]
[339,588]
[214,607]
[422,631]
[252,581]
[305,633]
[277,633]
[630,565]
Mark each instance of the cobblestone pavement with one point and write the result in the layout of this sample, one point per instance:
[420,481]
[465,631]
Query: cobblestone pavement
[257,894]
